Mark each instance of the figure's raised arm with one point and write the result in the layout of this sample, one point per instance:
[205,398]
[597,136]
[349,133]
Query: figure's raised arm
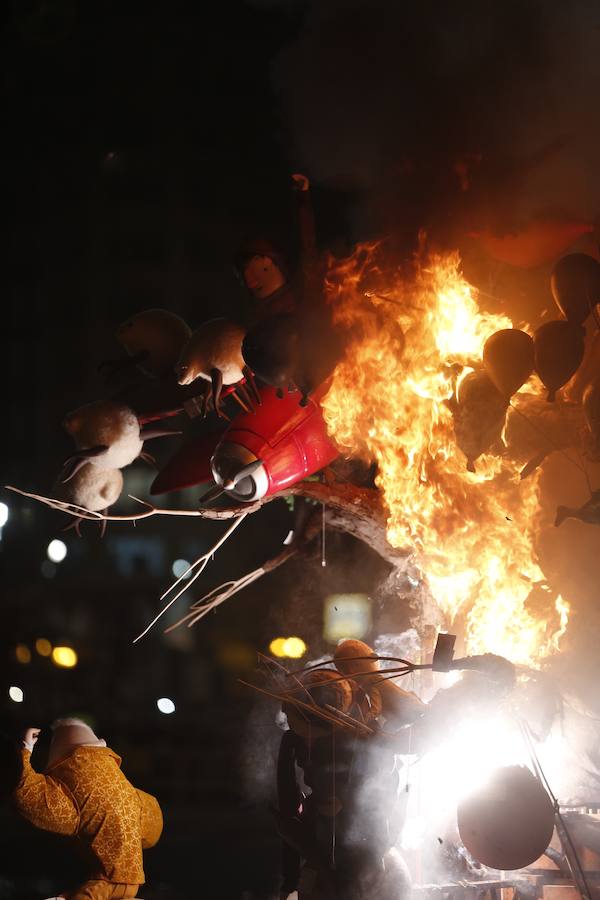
[40,799]
[306,220]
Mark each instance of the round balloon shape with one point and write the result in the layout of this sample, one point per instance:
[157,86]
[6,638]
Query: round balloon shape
[575,286]
[478,388]
[351,658]
[558,352]
[325,689]
[591,408]
[508,823]
[508,359]
[479,416]
[271,349]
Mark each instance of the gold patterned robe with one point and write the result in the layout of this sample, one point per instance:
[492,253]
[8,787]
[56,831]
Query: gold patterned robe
[86,795]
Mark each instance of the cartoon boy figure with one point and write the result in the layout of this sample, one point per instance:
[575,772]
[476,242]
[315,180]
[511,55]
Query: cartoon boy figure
[84,794]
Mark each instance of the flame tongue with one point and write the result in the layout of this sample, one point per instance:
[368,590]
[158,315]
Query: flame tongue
[389,400]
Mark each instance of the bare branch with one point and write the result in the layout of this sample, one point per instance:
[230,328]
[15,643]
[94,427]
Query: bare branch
[329,714]
[80,512]
[358,511]
[200,564]
[223,592]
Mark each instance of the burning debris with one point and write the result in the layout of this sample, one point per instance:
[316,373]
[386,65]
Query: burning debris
[407,406]
[348,785]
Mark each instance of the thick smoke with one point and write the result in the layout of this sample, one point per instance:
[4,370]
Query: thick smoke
[448,116]
[406,645]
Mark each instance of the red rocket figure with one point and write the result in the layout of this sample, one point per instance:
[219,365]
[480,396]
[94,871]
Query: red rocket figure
[259,454]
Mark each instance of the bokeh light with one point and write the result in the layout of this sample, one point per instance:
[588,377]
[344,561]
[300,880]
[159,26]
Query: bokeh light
[294,648]
[166,705]
[180,567]
[15,693]
[48,569]
[64,657]
[57,550]
[3,515]
[276,646]
[43,646]
[290,648]
[23,653]
[346,616]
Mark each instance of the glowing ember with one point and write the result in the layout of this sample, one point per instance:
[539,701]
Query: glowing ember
[473,534]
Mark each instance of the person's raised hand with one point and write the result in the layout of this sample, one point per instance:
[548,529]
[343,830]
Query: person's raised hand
[301,182]
[29,737]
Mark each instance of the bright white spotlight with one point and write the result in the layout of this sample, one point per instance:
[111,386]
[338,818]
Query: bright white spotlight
[462,763]
[166,705]
[180,567]
[3,515]
[15,693]
[57,550]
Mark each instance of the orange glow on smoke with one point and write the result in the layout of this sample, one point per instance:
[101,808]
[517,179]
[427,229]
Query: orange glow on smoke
[411,339]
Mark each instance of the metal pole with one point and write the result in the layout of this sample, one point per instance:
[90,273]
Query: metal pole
[568,847]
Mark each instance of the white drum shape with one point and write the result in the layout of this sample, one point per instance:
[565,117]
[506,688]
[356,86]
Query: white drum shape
[508,823]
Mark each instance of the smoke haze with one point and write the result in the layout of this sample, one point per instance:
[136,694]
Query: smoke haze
[447,115]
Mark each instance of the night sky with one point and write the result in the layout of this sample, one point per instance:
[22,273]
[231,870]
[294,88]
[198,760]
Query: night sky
[140,151]
[142,145]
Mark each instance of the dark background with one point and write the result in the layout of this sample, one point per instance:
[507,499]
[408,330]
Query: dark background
[141,145]
[141,148]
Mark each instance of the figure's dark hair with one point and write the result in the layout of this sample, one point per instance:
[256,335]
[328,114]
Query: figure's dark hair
[259,247]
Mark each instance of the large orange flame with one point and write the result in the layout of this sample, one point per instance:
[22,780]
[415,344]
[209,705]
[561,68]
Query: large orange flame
[472,534]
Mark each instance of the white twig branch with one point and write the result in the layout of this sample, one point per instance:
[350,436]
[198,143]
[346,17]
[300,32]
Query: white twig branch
[352,509]
[80,512]
[200,564]
[223,592]
[214,598]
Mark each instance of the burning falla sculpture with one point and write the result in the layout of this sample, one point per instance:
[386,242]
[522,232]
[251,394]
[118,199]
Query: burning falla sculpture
[423,371]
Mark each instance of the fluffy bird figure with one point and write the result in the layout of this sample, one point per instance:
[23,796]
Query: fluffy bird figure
[107,435]
[214,353]
[93,489]
[154,340]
